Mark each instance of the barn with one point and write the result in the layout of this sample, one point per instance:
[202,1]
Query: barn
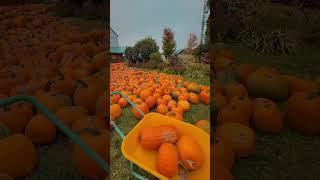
[116,51]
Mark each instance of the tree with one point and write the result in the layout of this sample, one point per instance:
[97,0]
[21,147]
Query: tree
[192,42]
[143,49]
[168,42]
[129,54]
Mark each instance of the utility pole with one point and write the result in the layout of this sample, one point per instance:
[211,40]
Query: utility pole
[203,24]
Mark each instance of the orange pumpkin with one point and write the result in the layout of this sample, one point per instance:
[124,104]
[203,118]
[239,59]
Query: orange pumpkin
[151,101]
[232,113]
[143,107]
[86,96]
[98,141]
[40,130]
[184,97]
[115,98]
[175,115]
[162,109]
[167,160]
[239,137]
[204,125]
[115,111]
[123,102]
[204,97]
[234,89]
[266,116]
[303,112]
[153,136]
[132,97]
[162,100]
[222,153]
[190,153]
[171,104]
[69,114]
[185,105]
[88,122]
[101,105]
[12,161]
[193,98]
[177,109]
[244,104]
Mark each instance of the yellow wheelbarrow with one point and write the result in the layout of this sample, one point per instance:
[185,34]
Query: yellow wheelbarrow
[146,160]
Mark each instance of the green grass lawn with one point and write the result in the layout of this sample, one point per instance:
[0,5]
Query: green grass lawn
[287,155]
[126,122]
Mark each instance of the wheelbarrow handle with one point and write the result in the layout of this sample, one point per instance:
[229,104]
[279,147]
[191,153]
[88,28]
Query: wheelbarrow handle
[74,137]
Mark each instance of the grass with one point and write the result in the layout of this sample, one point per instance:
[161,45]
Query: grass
[120,166]
[287,155]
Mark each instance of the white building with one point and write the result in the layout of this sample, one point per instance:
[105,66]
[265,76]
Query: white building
[113,39]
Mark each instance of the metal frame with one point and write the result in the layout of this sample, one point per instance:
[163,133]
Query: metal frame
[121,134]
[74,137]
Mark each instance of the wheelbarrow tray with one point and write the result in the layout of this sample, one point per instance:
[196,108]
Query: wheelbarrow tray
[146,159]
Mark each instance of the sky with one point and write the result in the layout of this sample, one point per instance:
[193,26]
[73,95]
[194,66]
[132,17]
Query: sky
[133,20]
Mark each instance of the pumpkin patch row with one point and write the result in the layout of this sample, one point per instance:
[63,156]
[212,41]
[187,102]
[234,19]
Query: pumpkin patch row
[246,99]
[172,147]
[167,94]
[64,69]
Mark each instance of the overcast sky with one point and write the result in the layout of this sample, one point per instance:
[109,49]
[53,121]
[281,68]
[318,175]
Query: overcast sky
[135,19]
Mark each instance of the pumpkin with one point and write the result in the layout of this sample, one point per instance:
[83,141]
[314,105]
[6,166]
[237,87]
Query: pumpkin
[175,94]
[220,101]
[132,97]
[115,98]
[300,85]
[190,153]
[177,109]
[69,114]
[244,104]
[267,116]
[152,137]
[143,107]
[51,101]
[99,60]
[98,140]
[115,111]
[220,172]
[151,101]
[303,113]
[14,119]
[193,98]
[234,89]
[233,113]
[12,161]
[161,100]
[204,97]
[175,115]
[269,86]
[86,96]
[239,137]
[40,130]
[145,93]
[162,109]
[193,87]
[204,125]
[167,160]
[185,105]
[222,50]
[184,97]
[123,102]
[243,71]
[222,153]
[171,104]
[88,122]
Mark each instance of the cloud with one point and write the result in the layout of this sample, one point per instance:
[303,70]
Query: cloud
[136,19]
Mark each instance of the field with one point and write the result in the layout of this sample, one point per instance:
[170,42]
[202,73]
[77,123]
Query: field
[120,166]
[288,155]
[45,31]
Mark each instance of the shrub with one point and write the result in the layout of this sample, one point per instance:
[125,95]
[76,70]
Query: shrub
[193,69]
[155,59]
[143,49]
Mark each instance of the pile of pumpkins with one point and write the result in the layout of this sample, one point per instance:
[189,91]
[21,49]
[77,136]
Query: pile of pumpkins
[170,95]
[172,147]
[64,69]
[246,99]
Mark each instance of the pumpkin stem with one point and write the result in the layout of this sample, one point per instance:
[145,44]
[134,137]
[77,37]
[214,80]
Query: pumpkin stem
[182,171]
